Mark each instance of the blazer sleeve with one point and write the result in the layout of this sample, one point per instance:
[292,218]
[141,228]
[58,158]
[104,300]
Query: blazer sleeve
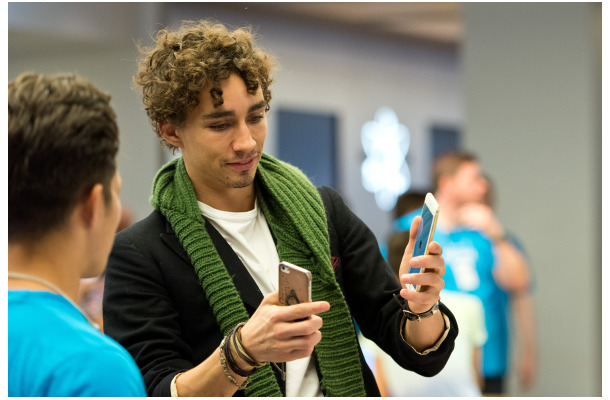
[140,315]
[368,284]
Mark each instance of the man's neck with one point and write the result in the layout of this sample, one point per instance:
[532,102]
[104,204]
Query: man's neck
[232,200]
[44,261]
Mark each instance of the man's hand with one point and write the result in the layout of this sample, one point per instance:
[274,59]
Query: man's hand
[481,217]
[430,277]
[273,334]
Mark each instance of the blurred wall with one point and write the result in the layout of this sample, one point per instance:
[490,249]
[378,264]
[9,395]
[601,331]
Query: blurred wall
[96,40]
[532,76]
[323,68]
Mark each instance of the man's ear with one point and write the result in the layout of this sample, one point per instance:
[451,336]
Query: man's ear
[92,205]
[169,133]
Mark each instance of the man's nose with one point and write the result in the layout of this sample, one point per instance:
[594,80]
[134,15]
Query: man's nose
[243,140]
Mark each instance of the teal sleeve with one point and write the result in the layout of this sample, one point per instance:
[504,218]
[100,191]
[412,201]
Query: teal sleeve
[109,372]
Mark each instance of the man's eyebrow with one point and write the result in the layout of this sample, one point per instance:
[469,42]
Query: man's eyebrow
[231,113]
[218,114]
[260,104]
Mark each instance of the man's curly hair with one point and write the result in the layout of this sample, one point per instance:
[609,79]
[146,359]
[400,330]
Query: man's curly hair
[198,55]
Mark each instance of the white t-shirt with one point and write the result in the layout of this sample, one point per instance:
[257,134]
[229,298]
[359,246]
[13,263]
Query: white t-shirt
[248,235]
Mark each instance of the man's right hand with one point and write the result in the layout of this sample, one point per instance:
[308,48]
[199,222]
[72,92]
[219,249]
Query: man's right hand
[280,333]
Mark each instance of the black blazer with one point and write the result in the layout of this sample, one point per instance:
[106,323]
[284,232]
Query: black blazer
[155,307]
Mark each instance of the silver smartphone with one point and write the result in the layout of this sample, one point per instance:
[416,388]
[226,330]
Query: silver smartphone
[425,232]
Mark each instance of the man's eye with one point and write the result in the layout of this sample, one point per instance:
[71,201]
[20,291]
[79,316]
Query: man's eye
[219,127]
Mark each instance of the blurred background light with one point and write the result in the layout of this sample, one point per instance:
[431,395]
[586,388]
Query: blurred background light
[385,171]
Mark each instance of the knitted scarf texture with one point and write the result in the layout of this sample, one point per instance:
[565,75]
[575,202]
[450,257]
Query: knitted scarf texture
[295,214]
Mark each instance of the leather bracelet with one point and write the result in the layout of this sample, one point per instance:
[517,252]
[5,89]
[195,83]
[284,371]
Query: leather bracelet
[240,350]
[223,363]
[226,347]
[410,315]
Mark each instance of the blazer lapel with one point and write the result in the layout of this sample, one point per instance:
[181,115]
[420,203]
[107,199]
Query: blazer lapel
[246,287]
[171,240]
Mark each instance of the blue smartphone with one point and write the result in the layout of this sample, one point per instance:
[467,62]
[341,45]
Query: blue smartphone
[425,232]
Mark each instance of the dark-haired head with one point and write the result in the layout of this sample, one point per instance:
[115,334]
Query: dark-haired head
[62,140]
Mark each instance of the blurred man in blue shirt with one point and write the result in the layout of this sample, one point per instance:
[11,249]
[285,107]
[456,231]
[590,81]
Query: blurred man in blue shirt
[479,258]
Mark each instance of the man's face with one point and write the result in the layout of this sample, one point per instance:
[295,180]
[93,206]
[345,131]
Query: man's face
[468,183]
[222,146]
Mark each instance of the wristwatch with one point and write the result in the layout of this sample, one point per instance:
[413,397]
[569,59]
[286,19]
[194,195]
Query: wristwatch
[411,316]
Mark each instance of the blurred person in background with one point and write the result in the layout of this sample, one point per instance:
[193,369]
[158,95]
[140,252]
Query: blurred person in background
[191,290]
[480,215]
[407,202]
[478,261]
[64,209]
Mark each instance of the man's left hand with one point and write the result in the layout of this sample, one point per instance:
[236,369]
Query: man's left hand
[430,276]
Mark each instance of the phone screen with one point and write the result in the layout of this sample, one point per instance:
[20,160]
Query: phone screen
[425,232]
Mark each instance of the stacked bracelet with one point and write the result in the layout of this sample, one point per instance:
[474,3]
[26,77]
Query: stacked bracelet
[226,348]
[240,350]
[223,363]
[233,342]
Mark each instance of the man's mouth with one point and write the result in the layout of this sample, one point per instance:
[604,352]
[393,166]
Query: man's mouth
[242,165]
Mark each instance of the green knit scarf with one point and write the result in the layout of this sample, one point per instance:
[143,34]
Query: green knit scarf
[295,214]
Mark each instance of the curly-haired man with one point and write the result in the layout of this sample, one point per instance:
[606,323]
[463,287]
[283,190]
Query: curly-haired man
[64,208]
[191,291]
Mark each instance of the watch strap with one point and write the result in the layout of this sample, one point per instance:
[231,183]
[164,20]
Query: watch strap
[410,315]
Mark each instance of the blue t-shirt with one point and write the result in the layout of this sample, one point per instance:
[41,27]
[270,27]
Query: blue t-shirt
[54,351]
[469,262]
